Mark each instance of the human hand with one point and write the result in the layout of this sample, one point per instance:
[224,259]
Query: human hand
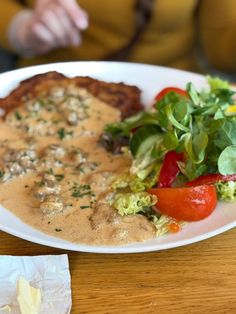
[52,24]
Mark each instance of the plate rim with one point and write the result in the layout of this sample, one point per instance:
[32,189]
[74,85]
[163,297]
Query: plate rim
[42,68]
[120,249]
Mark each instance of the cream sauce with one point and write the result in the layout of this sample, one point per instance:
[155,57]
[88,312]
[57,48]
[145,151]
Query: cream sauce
[52,157]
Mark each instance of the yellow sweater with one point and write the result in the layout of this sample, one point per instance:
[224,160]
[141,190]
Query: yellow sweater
[169,38]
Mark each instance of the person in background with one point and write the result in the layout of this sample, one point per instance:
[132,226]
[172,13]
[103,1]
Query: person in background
[163,32]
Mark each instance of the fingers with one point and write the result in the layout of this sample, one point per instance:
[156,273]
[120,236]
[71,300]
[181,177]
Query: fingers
[78,16]
[71,32]
[51,21]
[56,28]
[42,33]
[40,38]
[54,24]
[26,40]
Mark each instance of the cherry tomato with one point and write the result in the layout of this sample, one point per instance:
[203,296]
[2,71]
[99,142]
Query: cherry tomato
[211,178]
[166,90]
[187,203]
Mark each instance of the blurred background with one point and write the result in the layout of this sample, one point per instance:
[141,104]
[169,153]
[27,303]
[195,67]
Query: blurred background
[8,61]
[195,35]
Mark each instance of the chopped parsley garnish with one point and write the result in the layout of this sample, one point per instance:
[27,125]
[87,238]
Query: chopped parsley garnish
[42,102]
[61,133]
[58,230]
[81,190]
[50,171]
[40,183]
[59,177]
[80,169]
[55,121]
[46,103]
[2,172]
[18,116]
[41,120]
[85,206]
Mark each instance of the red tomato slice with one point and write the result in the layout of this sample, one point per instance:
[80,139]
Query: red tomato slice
[166,90]
[188,203]
[169,169]
[211,178]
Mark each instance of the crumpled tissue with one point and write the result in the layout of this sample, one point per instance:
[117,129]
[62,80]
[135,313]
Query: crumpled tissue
[49,273]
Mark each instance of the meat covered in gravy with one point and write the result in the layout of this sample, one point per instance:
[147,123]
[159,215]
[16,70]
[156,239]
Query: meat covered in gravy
[56,176]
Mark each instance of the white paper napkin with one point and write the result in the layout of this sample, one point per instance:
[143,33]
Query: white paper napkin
[49,273]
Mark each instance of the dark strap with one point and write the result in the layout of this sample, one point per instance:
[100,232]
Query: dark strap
[22,2]
[143,12]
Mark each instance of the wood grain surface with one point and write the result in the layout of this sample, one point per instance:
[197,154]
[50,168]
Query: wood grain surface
[198,278]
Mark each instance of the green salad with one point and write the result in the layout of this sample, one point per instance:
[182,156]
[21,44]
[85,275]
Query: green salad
[183,152]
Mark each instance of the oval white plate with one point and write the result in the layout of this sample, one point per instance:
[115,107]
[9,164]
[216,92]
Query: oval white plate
[150,79]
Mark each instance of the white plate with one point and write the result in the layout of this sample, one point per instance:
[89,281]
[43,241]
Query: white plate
[150,79]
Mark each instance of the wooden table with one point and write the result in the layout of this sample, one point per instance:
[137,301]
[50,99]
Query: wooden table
[199,278]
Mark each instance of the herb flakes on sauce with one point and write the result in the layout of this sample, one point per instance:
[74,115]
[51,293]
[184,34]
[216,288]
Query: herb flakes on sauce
[81,190]
[18,116]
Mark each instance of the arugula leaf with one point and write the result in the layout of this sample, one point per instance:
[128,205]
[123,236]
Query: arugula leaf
[194,95]
[170,140]
[226,134]
[200,142]
[144,138]
[196,146]
[193,170]
[173,110]
[173,121]
[124,127]
[227,160]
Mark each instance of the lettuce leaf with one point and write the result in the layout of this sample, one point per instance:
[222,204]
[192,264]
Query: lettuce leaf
[216,82]
[134,183]
[133,203]
[226,191]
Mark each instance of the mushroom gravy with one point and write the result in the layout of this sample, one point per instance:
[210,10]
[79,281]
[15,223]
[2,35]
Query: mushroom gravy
[55,175]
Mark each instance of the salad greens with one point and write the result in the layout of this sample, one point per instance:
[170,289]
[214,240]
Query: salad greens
[133,203]
[134,183]
[197,125]
[195,130]
[226,191]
